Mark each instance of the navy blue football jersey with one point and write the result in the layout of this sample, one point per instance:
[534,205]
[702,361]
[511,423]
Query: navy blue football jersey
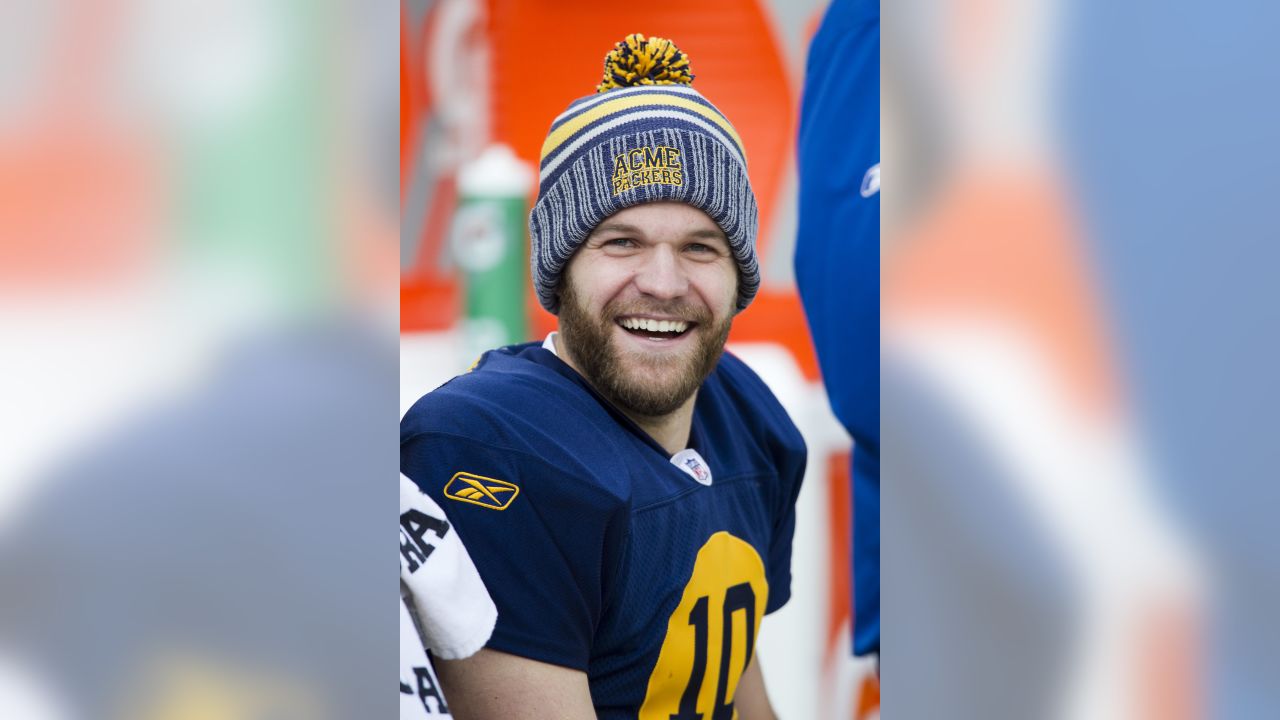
[600,553]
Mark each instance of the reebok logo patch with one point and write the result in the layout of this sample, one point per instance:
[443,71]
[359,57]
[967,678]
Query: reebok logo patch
[871,182]
[480,490]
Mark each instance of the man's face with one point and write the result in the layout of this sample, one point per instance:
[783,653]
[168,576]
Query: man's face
[646,305]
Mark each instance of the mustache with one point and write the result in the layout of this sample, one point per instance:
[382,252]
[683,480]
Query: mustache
[675,309]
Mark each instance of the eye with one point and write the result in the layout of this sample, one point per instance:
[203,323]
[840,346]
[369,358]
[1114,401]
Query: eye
[705,251]
[621,242]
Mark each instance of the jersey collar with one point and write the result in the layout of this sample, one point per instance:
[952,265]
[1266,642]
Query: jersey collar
[688,459]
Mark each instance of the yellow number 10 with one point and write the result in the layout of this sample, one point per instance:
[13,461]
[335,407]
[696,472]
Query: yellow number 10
[739,597]
[710,635]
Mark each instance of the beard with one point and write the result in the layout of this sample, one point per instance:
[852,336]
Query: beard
[645,384]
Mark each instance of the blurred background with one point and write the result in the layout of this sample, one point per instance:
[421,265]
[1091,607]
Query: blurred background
[199,320]
[197,358]
[1036,554]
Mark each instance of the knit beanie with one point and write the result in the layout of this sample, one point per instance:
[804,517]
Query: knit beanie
[644,136]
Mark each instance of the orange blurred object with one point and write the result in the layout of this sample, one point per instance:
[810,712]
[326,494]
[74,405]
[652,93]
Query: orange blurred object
[738,65]
[80,192]
[412,100]
[734,55]
[839,539]
[1005,246]
[75,207]
[429,296]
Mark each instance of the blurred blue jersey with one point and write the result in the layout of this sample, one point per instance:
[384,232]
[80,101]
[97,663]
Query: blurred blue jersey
[838,262]
[600,553]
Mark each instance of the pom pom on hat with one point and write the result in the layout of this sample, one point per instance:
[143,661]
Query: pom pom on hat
[638,60]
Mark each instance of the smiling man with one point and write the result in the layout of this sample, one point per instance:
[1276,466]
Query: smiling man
[645,310]
[626,488]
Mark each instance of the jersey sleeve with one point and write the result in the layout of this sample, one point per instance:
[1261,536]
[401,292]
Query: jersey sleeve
[543,540]
[784,451]
[454,611]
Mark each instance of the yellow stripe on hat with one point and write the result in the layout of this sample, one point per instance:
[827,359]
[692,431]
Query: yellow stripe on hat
[562,133]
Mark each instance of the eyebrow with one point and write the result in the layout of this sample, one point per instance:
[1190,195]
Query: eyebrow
[616,227]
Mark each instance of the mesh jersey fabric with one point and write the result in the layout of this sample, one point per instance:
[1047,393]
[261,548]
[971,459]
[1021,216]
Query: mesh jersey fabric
[608,556]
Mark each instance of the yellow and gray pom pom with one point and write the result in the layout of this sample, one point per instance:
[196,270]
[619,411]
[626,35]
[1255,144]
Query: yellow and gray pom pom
[638,60]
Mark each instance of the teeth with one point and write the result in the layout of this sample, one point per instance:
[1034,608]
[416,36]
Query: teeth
[662,326]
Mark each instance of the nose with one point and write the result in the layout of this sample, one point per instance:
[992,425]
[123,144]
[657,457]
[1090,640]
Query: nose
[661,274]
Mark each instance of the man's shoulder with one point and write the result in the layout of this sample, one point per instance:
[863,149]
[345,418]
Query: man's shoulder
[520,415]
[736,380]
[504,386]
[752,400]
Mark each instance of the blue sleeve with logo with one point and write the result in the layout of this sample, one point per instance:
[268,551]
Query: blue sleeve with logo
[838,261]
[545,543]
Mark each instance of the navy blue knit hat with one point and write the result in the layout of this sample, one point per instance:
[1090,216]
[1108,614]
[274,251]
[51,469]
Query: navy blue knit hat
[645,136]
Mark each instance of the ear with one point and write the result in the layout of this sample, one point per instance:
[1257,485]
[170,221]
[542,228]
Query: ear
[562,282]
